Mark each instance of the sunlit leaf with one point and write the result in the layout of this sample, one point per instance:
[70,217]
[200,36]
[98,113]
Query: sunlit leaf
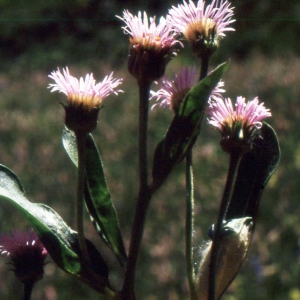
[234,244]
[60,240]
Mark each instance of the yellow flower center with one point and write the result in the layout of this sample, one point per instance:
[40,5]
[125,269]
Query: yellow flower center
[88,102]
[202,29]
[147,41]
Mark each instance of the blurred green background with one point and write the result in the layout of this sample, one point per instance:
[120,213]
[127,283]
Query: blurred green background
[38,36]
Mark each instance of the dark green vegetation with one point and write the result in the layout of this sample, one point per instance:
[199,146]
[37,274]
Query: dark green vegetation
[38,36]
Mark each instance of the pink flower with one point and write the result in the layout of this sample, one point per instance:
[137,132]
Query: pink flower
[250,113]
[151,45]
[202,26]
[27,254]
[216,15]
[147,34]
[84,92]
[240,125]
[173,92]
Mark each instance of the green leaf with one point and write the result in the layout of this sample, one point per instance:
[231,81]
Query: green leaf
[185,127]
[60,240]
[255,170]
[97,197]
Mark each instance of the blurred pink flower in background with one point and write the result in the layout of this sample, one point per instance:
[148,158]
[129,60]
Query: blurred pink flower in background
[26,253]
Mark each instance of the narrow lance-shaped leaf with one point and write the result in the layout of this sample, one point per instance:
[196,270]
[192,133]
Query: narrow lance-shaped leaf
[185,126]
[60,240]
[97,195]
[255,170]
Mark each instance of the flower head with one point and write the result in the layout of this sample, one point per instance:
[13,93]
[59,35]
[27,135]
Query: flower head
[173,92]
[237,126]
[202,26]
[151,45]
[84,92]
[84,96]
[27,254]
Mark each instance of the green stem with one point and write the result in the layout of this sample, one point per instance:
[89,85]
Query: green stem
[204,67]
[81,139]
[189,221]
[145,194]
[235,158]
[189,226]
[144,90]
[28,290]
[135,243]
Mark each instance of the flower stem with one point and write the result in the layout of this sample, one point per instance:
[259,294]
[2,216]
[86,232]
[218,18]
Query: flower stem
[204,67]
[81,138]
[28,290]
[144,90]
[189,226]
[235,158]
[189,220]
[145,194]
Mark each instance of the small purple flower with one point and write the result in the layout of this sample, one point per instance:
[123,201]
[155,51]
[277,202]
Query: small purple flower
[146,34]
[171,93]
[250,113]
[202,26]
[240,124]
[27,254]
[84,92]
[84,98]
[151,45]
